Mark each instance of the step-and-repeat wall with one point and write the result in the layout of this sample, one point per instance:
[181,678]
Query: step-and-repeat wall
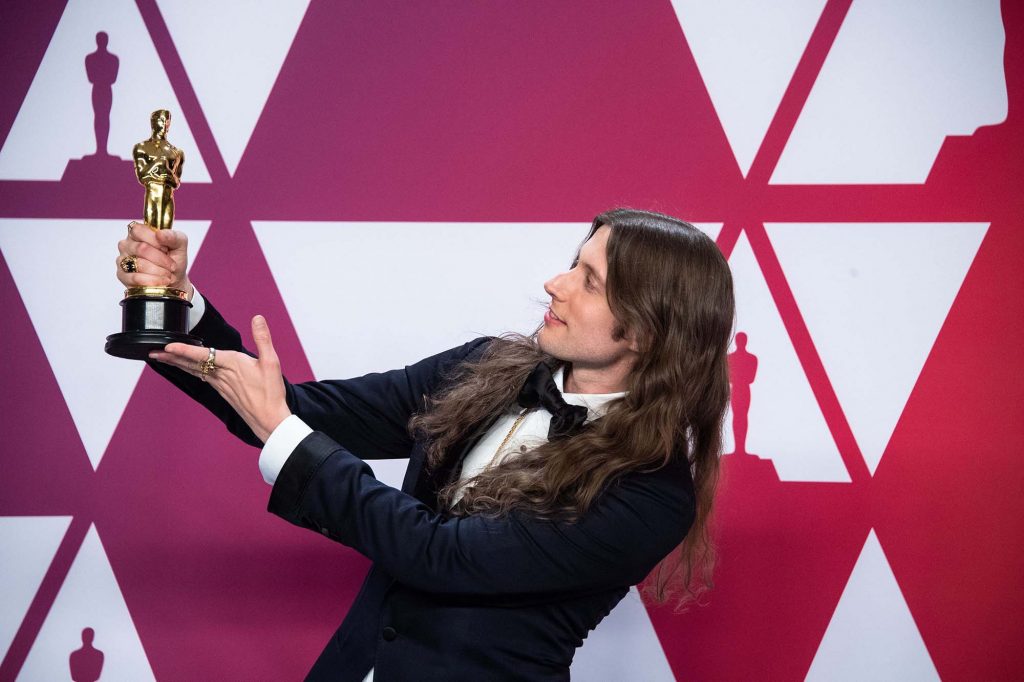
[386,180]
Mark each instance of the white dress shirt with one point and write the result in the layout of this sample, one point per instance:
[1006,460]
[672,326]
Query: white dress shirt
[532,432]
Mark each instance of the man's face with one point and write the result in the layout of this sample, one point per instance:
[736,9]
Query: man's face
[578,325]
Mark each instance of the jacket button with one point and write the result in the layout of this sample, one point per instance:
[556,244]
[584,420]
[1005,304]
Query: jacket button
[389,634]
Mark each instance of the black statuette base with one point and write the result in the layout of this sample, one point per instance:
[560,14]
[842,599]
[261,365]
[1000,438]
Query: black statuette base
[150,323]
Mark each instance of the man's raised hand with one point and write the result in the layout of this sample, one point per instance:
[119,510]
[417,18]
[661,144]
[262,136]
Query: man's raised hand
[161,258]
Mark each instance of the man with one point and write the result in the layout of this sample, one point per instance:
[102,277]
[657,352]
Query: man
[547,474]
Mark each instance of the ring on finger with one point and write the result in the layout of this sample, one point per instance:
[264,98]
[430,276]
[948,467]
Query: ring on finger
[209,365]
[129,264]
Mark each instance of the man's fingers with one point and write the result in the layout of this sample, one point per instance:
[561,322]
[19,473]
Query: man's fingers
[146,267]
[188,358]
[189,352]
[226,360]
[146,274]
[141,232]
[189,366]
[154,255]
[261,335]
[141,279]
[165,240]
[172,239]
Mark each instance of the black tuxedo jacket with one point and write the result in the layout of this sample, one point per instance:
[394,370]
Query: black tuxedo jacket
[448,598]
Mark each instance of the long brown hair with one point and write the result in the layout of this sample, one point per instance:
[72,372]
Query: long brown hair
[669,286]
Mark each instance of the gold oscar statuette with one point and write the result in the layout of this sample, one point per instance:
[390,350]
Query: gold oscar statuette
[152,317]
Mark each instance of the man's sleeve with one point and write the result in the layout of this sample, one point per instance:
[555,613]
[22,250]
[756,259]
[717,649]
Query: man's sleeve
[636,522]
[198,308]
[279,446]
[369,415]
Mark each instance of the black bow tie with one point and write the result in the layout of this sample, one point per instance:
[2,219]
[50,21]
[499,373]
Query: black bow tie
[540,391]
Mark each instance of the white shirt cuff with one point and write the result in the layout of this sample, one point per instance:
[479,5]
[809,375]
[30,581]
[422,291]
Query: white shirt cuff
[279,446]
[198,308]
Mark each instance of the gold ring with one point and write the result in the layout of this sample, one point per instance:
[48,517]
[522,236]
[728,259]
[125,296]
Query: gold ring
[128,264]
[130,228]
[209,365]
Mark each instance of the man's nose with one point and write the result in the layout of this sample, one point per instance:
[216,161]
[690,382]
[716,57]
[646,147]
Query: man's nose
[555,285]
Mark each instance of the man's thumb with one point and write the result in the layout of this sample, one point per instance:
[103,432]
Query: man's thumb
[261,335]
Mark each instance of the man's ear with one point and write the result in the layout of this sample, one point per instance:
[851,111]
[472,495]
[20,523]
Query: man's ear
[621,333]
[634,344]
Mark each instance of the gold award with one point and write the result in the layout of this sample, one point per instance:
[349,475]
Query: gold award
[152,317]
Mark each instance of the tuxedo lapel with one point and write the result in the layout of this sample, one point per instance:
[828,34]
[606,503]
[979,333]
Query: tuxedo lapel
[424,483]
[453,465]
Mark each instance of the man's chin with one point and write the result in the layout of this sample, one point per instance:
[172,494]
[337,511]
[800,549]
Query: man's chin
[542,339]
[546,346]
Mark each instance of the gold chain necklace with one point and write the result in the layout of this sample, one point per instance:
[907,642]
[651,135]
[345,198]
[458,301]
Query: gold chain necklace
[519,420]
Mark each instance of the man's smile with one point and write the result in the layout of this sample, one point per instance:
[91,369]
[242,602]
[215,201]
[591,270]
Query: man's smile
[551,318]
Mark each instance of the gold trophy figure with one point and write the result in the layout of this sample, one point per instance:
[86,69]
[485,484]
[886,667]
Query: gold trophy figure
[158,166]
[152,317]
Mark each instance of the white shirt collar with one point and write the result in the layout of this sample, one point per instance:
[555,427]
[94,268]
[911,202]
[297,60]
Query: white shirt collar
[596,403]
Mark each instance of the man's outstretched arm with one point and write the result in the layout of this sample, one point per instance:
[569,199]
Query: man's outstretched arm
[368,414]
[636,522]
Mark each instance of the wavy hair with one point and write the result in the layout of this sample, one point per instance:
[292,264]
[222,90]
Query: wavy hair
[668,286]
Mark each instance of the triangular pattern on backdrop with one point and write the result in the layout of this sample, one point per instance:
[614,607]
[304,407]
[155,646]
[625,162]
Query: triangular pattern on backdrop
[879,110]
[786,424]
[89,598]
[357,294]
[354,290]
[624,646]
[872,634]
[874,296]
[45,137]
[27,547]
[746,52]
[232,52]
[72,325]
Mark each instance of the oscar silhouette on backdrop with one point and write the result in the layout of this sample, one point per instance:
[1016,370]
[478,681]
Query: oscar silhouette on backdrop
[101,68]
[742,372]
[101,169]
[86,663]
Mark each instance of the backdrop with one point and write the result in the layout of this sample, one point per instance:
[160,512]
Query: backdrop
[859,163]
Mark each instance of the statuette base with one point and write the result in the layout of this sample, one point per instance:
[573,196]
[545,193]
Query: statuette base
[150,323]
